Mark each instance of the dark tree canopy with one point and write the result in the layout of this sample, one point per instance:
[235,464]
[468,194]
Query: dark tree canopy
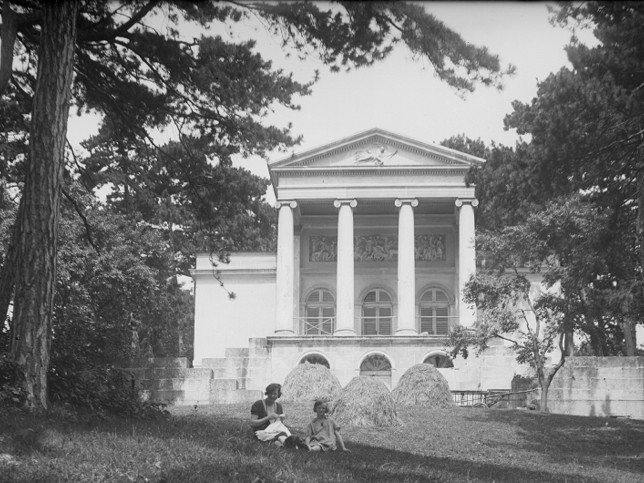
[582,155]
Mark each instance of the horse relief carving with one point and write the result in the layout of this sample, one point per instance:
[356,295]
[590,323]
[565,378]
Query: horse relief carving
[376,154]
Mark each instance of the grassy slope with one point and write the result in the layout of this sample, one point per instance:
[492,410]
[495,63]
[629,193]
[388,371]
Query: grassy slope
[214,444]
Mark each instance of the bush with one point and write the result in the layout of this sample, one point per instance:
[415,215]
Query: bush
[12,391]
[104,390]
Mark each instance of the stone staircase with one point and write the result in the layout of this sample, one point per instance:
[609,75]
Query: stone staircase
[240,375]
[171,380]
[237,377]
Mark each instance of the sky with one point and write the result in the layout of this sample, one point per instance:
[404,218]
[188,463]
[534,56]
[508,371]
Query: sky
[402,95]
[405,97]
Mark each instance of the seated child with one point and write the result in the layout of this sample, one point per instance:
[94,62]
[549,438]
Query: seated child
[323,432]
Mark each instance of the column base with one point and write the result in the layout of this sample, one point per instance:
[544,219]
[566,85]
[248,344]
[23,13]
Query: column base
[406,332]
[344,332]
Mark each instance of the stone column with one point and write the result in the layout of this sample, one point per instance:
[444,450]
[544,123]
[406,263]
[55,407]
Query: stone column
[406,268]
[466,256]
[344,322]
[285,268]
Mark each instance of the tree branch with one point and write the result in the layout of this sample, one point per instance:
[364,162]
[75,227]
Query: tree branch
[85,36]
[88,228]
[11,23]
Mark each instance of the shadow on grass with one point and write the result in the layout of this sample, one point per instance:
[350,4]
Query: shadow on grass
[564,438]
[364,463]
[216,447]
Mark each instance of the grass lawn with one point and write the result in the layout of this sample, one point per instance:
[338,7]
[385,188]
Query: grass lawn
[213,443]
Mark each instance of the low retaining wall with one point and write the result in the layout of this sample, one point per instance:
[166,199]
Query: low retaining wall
[599,386]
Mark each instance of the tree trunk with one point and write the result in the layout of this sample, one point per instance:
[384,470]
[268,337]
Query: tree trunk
[543,404]
[628,328]
[37,225]
[7,273]
[640,235]
[596,341]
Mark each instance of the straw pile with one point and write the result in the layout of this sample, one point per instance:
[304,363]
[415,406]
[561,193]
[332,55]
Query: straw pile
[422,385]
[365,402]
[310,382]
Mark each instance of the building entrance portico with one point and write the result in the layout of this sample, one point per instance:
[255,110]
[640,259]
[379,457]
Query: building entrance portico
[375,244]
[421,240]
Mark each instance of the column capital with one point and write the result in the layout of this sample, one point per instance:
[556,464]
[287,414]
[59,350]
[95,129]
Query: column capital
[472,201]
[351,203]
[291,203]
[402,201]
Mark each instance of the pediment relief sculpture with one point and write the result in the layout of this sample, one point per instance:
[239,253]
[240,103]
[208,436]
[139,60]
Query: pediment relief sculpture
[376,154]
[377,248]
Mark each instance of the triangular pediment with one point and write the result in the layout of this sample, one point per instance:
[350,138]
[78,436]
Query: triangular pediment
[377,148]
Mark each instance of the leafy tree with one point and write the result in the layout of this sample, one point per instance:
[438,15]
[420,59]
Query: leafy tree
[556,249]
[112,304]
[586,129]
[198,205]
[511,194]
[141,79]
[502,183]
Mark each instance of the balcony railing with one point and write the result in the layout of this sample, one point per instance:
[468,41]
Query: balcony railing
[316,325]
[325,326]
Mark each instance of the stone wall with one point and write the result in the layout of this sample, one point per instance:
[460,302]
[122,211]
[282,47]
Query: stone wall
[599,386]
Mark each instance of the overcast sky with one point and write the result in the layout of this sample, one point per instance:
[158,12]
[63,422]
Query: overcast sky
[404,96]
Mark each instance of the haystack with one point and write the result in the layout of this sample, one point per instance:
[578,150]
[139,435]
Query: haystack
[422,385]
[310,382]
[366,402]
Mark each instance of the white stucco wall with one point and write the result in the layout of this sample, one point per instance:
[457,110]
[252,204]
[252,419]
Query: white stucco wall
[494,369]
[222,322]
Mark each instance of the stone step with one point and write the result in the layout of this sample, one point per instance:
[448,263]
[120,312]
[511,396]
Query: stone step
[229,384]
[237,352]
[232,372]
[257,347]
[171,373]
[228,396]
[146,362]
[227,367]
[177,398]
[176,384]
[213,362]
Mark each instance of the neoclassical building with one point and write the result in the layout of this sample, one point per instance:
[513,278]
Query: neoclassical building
[375,242]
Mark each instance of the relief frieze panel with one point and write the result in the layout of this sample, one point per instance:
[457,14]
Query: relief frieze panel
[377,248]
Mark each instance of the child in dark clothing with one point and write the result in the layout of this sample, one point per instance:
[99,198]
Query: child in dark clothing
[323,433]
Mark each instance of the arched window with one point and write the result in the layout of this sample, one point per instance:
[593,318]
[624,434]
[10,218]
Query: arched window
[316,359]
[434,312]
[377,311]
[378,366]
[320,313]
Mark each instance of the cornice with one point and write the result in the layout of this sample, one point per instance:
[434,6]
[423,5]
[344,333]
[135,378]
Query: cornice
[289,171]
[377,135]
[244,272]
[307,161]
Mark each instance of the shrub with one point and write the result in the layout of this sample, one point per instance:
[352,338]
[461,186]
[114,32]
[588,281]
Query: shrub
[104,390]
[12,391]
